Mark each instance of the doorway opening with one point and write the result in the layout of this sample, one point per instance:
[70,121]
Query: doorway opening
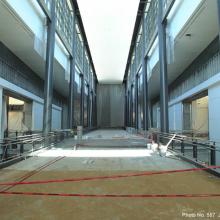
[195,116]
[17,115]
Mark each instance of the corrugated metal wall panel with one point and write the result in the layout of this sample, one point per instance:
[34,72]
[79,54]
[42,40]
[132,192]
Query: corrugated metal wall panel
[110,105]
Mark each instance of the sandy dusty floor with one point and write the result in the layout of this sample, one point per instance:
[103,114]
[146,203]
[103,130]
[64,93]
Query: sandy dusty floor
[40,207]
[16,207]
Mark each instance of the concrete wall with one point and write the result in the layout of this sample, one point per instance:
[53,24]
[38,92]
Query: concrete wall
[28,115]
[110,105]
[200,115]
[214,116]
[156,115]
[56,119]
[37,117]
[175,117]
[64,116]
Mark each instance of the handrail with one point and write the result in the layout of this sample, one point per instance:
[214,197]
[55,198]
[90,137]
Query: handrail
[24,145]
[200,140]
[201,151]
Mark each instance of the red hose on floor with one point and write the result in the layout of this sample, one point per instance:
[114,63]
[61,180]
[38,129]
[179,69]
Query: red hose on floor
[108,177]
[112,195]
[30,174]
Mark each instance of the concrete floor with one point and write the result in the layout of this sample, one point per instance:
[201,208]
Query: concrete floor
[87,162]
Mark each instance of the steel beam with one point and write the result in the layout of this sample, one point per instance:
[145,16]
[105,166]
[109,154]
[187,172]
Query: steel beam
[166,13]
[48,82]
[72,76]
[164,120]
[44,8]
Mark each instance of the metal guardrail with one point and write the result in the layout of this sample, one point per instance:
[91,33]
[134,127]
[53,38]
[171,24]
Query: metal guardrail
[195,149]
[21,146]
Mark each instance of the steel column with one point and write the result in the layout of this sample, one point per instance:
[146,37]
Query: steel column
[72,77]
[88,107]
[95,111]
[92,109]
[218,6]
[146,101]
[131,107]
[128,113]
[48,82]
[145,80]
[136,102]
[163,71]
[1,113]
[125,111]
[82,100]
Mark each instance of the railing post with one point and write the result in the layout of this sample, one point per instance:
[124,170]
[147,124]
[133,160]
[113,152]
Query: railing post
[5,150]
[195,152]
[21,149]
[33,146]
[182,147]
[213,154]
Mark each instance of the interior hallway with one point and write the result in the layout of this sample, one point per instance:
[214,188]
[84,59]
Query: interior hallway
[65,161]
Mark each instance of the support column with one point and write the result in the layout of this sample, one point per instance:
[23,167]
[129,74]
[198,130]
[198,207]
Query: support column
[132,107]
[82,101]
[48,82]
[92,110]
[145,80]
[128,111]
[218,6]
[88,107]
[95,110]
[164,120]
[136,102]
[72,78]
[126,107]
[1,114]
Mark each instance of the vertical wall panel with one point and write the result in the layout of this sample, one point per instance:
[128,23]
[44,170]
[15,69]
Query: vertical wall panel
[56,119]
[37,116]
[214,116]
[110,104]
